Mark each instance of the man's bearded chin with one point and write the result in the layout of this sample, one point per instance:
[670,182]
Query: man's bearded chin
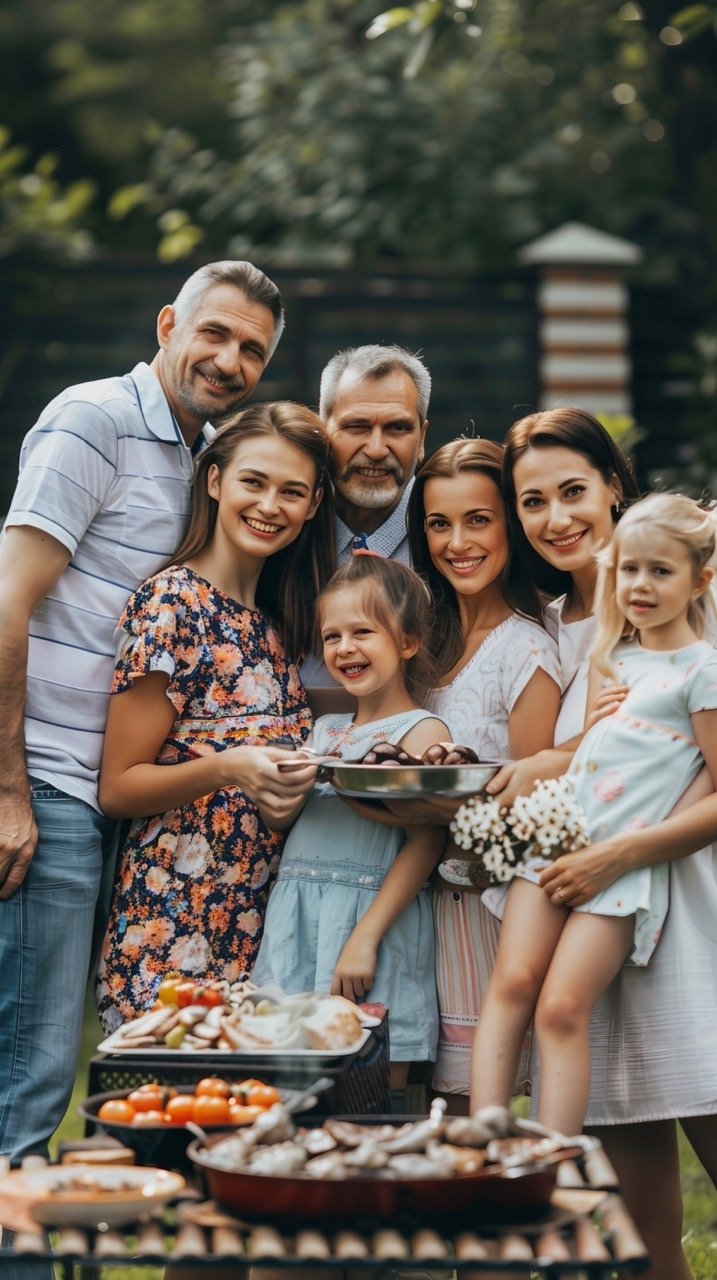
[362,491]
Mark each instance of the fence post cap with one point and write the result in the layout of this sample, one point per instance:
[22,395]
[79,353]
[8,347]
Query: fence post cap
[576,243]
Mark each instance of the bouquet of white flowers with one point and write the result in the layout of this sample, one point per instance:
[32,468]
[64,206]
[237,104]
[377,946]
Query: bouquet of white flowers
[544,824]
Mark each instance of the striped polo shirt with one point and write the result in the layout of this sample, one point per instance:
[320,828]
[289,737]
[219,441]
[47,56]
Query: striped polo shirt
[105,471]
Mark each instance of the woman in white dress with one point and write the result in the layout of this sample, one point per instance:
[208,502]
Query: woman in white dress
[654,1033]
[499,693]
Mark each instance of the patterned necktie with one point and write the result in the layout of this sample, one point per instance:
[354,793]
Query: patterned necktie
[359,542]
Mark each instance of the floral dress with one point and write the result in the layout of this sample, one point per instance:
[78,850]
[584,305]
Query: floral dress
[192,883]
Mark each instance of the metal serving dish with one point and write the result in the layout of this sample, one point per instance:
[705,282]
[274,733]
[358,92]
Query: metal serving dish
[406,782]
[494,1192]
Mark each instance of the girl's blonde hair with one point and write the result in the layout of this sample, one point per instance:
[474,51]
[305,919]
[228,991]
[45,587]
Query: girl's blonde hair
[395,598]
[674,516]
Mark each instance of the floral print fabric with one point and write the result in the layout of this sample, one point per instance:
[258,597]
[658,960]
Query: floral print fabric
[192,883]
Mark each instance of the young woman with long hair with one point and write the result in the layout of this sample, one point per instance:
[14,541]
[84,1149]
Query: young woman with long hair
[498,691]
[653,1034]
[205,693]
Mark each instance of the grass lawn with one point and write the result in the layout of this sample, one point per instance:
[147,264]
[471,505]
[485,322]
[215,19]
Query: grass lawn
[699,1196]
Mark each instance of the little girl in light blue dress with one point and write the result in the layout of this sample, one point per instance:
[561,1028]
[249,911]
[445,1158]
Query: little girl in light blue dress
[350,911]
[629,770]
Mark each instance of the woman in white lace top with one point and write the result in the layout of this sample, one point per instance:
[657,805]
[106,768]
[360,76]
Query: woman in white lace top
[499,693]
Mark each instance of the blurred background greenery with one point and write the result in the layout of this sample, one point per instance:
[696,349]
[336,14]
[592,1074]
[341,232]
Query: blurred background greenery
[339,141]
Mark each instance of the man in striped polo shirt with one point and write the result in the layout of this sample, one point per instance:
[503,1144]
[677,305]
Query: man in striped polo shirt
[101,503]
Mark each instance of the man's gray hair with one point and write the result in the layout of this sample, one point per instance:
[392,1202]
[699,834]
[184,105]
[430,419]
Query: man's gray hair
[252,282]
[373,361]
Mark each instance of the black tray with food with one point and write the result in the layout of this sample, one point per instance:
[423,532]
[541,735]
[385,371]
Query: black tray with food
[152,1119]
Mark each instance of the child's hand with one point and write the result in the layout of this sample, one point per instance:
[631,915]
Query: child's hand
[356,969]
[606,703]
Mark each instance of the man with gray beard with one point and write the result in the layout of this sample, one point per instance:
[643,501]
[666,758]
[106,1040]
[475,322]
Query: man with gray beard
[374,403]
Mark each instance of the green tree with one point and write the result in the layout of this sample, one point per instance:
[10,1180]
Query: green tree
[547,111]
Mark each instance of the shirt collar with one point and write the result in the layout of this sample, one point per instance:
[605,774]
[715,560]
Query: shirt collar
[386,539]
[157,415]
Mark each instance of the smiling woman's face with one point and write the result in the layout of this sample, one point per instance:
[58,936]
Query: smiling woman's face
[564,505]
[466,530]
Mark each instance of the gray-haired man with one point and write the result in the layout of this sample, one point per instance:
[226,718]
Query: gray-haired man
[101,502]
[374,402]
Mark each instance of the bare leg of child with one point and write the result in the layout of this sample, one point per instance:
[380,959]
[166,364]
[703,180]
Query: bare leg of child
[529,934]
[591,950]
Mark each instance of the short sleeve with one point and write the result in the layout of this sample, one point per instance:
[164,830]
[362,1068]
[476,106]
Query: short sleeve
[702,689]
[530,649]
[67,465]
[161,629]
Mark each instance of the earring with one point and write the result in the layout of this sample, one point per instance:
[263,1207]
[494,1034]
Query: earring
[616,511]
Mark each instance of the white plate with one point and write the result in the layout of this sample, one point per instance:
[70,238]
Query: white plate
[113,1044]
[114,1194]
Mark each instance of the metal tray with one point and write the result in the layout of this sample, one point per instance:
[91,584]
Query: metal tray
[405,782]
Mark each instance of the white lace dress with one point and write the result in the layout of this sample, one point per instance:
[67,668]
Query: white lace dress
[653,1034]
[476,706]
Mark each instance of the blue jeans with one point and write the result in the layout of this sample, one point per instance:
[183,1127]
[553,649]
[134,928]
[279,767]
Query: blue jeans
[45,944]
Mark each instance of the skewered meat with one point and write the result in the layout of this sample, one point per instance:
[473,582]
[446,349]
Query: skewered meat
[431,1148]
[283,1160]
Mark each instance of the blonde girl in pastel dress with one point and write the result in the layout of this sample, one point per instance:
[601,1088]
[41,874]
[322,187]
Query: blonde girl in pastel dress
[629,770]
[205,700]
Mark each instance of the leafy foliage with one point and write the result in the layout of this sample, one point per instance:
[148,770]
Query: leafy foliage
[460,129]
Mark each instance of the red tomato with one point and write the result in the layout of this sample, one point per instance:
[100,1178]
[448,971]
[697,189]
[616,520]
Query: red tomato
[262,1095]
[186,992]
[180,1108]
[240,1089]
[239,1114]
[149,1097]
[212,1087]
[116,1111]
[208,996]
[211,1110]
[148,1119]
